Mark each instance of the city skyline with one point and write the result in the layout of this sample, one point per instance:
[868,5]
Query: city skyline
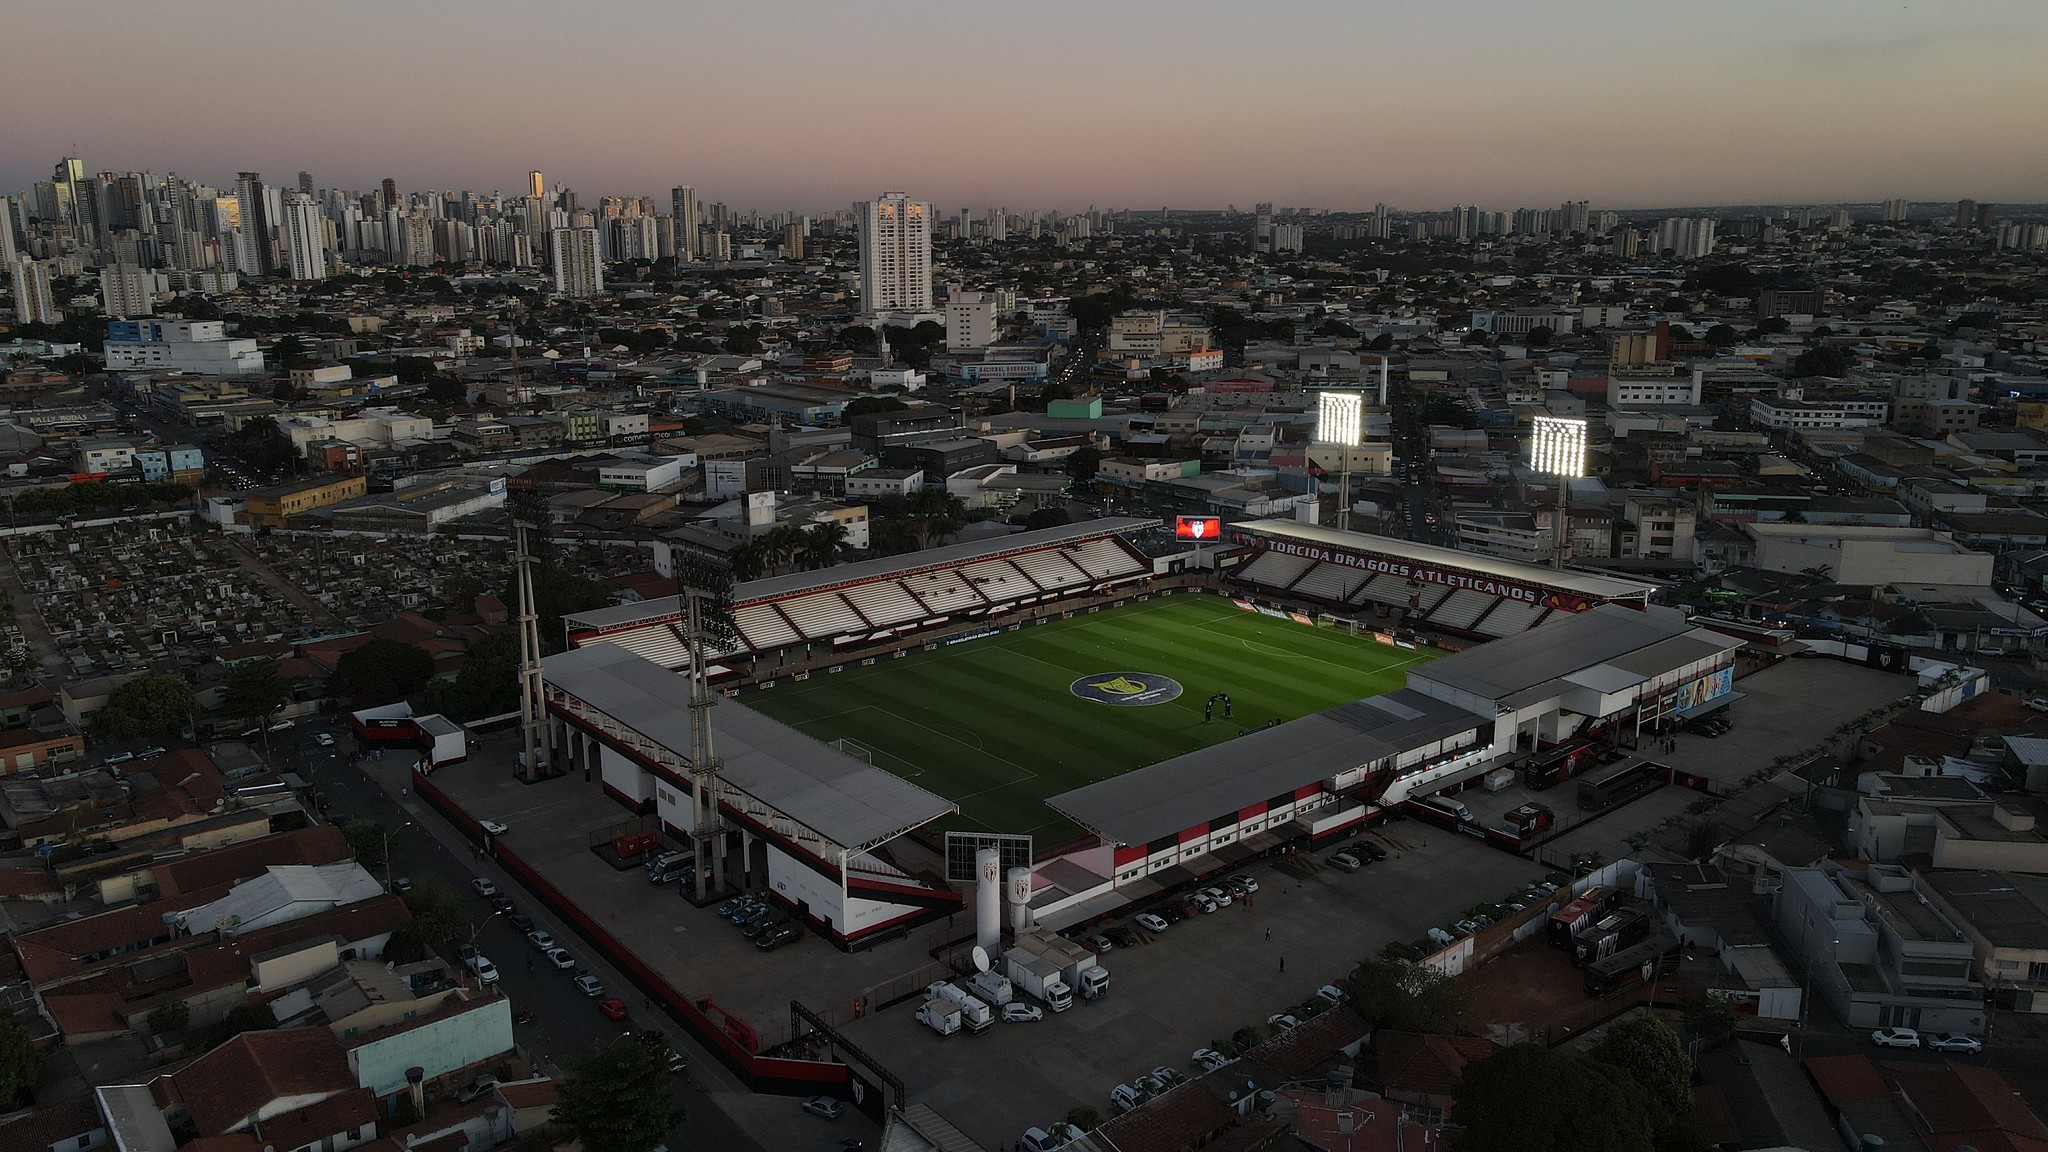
[1132,106]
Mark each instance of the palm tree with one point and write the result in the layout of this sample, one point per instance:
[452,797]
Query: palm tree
[822,542]
[749,561]
[938,514]
[782,544]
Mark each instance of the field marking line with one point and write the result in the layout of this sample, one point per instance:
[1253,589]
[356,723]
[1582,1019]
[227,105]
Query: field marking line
[1028,773]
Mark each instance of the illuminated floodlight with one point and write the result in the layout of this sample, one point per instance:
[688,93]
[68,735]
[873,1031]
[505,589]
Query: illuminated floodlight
[1340,418]
[1558,447]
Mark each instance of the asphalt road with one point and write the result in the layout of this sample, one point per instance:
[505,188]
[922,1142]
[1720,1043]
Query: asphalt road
[2021,1059]
[565,1022]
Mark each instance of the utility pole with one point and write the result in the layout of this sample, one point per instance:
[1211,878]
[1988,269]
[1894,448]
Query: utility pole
[704,586]
[528,516]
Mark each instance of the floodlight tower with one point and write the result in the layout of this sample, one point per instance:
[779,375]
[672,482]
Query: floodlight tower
[529,515]
[1340,422]
[1558,449]
[704,585]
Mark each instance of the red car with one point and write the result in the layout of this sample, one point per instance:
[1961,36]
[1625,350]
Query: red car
[612,1007]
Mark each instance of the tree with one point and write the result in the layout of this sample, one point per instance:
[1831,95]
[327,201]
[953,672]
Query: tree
[147,707]
[1540,336]
[1773,325]
[1405,997]
[445,389]
[1050,517]
[1645,1050]
[743,340]
[1084,463]
[1702,837]
[937,514]
[1710,1019]
[1723,336]
[867,404]
[558,593]
[171,1017]
[617,1098]
[439,914]
[1337,328]
[254,690]
[291,351]
[1382,342]
[1823,360]
[821,544]
[488,684]
[1729,280]
[262,445]
[404,946]
[1680,334]
[856,338]
[21,1065]
[1532,1099]
[369,842]
[381,672]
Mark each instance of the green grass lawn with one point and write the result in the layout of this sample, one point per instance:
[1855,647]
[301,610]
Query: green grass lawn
[993,725]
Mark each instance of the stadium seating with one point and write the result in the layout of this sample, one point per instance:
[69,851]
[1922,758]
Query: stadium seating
[1510,617]
[1050,570]
[1273,570]
[1460,609]
[1105,559]
[823,616]
[944,592]
[656,642]
[1327,582]
[999,580]
[1384,589]
[762,628]
[885,603]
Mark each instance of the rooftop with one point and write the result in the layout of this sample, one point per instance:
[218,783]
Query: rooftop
[1631,640]
[1365,543]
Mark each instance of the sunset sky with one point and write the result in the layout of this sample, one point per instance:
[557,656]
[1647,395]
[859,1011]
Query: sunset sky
[1051,104]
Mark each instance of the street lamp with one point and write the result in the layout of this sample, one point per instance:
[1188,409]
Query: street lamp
[1557,448]
[479,927]
[387,852]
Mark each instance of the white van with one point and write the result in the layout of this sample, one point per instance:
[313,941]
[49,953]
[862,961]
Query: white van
[1454,807]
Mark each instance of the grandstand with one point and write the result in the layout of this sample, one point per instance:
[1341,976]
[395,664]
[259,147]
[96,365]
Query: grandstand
[1437,588]
[879,601]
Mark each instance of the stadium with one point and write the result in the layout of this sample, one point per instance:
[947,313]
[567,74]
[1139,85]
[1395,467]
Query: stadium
[1123,722]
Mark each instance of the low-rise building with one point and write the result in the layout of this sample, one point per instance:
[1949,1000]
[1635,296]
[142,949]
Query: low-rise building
[2005,917]
[274,507]
[1877,951]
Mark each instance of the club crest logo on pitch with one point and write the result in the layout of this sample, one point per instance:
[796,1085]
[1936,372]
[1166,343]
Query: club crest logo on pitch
[1126,689]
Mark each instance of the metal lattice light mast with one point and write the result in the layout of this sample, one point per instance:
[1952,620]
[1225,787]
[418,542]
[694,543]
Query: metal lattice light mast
[1557,448]
[704,585]
[528,516]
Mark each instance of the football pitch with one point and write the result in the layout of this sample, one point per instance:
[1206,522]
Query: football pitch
[998,724]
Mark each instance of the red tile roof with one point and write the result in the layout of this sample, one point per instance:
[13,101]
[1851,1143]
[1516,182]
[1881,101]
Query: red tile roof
[1420,1063]
[530,1094]
[26,880]
[322,844]
[230,1084]
[46,1126]
[330,1117]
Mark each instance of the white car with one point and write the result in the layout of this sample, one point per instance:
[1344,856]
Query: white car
[1019,1013]
[1895,1038]
[1250,885]
[1202,903]
[1331,993]
[1345,861]
[589,986]
[1209,1059]
[1040,1140]
[492,827]
[560,958]
[482,886]
[1218,896]
[1283,1020]
[541,939]
[1150,923]
[486,972]
[1953,1042]
[1166,1076]
[324,740]
[1125,1097]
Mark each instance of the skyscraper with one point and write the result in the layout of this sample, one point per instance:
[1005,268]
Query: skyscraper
[305,238]
[573,253]
[252,239]
[536,184]
[305,182]
[390,187]
[1894,211]
[33,303]
[895,254]
[683,202]
[7,248]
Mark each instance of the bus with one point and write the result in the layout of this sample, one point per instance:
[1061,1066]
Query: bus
[1571,919]
[1633,965]
[1554,766]
[1610,934]
[1626,783]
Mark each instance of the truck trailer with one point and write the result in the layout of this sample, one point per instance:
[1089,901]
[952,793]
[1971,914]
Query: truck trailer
[973,1013]
[1039,978]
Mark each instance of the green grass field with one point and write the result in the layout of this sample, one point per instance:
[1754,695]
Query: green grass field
[993,725]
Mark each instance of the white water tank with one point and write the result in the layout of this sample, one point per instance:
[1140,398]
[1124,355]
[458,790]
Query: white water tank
[988,899]
[1020,900]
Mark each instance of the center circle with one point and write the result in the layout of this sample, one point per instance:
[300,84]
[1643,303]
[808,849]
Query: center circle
[1126,689]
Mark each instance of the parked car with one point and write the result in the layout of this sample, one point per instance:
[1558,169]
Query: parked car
[824,1107]
[589,985]
[504,905]
[1150,923]
[1209,1059]
[492,827]
[401,886]
[561,959]
[734,907]
[324,740]
[757,912]
[1345,861]
[117,758]
[479,1087]
[1039,1140]
[486,972]
[1895,1038]
[1018,1012]
[281,726]
[1099,944]
[777,936]
[521,923]
[1167,1076]
[1221,898]
[1203,904]
[612,1007]
[1123,937]
[764,925]
[1332,994]
[1952,1042]
[541,939]
[148,753]
[483,887]
[1246,882]
[1368,848]
[1283,1020]
[1124,1097]
[1170,912]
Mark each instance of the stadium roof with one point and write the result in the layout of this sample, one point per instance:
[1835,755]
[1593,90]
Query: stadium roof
[1172,795]
[862,571]
[1585,584]
[843,799]
[1640,642]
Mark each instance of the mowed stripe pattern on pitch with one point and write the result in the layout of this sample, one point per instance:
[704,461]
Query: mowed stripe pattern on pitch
[992,725]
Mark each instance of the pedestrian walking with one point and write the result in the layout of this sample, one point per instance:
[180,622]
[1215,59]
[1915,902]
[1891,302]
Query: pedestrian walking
[1283,963]
[1269,935]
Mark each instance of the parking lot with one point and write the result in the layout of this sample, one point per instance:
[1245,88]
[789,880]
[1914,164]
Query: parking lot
[1193,984]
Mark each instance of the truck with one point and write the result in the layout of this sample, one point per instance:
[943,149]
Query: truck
[973,1013]
[993,988]
[1078,967]
[1038,977]
[940,1016]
